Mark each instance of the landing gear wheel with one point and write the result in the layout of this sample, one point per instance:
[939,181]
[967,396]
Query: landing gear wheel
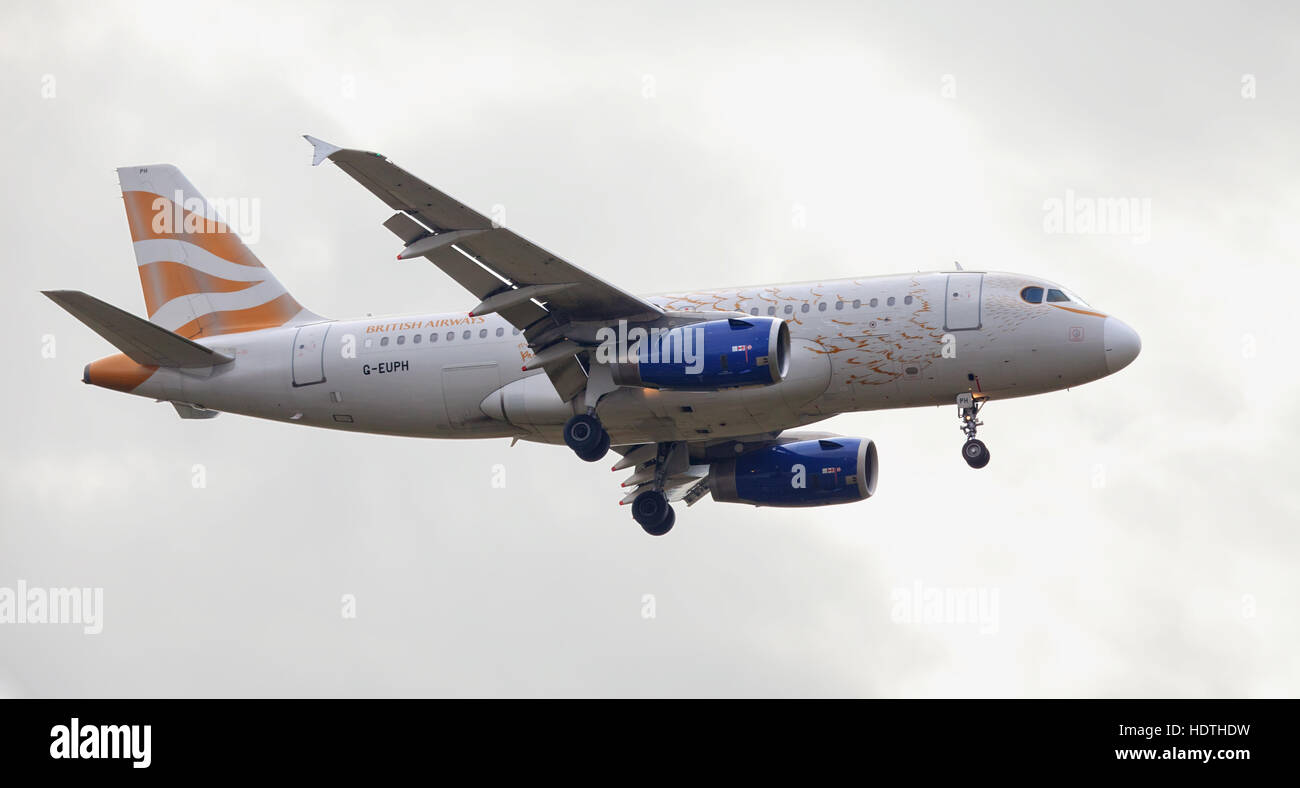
[585,435]
[599,451]
[975,453]
[651,511]
[663,527]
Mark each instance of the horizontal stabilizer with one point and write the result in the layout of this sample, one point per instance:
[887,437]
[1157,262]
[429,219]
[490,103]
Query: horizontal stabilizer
[143,342]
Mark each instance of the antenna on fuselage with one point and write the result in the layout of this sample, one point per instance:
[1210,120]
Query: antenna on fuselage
[959,268]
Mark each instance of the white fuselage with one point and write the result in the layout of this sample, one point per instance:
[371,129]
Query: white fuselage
[856,344]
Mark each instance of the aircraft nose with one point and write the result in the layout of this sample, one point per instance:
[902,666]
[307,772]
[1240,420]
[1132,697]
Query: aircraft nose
[1122,344]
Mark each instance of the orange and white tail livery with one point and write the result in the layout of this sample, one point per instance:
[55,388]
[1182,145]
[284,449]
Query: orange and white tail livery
[198,276]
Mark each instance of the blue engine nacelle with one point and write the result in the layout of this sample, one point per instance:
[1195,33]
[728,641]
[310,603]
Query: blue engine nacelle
[804,473]
[709,355]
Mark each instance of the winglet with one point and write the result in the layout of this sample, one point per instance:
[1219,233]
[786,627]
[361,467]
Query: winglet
[321,150]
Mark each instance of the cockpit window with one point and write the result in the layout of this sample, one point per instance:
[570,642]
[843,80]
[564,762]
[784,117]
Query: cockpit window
[1034,295]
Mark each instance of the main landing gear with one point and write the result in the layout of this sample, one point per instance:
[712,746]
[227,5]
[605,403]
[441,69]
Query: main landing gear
[974,452]
[590,441]
[651,511]
[650,506]
[586,436]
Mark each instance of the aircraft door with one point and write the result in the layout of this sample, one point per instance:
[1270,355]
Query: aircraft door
[309,354]
[962,300]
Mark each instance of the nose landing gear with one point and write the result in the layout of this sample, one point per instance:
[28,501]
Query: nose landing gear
[974,452]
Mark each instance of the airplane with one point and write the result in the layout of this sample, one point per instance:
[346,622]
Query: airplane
[701,392]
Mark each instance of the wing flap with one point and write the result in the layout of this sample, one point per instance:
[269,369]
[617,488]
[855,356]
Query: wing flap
[568,377]
[406,228]
[467,273]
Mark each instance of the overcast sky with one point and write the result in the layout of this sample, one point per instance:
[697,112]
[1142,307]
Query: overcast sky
[1133,537]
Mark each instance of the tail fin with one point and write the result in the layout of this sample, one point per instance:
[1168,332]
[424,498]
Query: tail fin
[199,278]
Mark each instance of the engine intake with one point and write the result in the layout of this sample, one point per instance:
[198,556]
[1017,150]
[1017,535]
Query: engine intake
[703,356]
[804,473]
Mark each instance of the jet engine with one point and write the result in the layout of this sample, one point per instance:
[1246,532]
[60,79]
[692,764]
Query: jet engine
[713,354]
[804,473]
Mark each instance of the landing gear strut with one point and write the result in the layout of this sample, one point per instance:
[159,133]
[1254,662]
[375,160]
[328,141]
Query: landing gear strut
[584,433]
[586,436]
[974,452]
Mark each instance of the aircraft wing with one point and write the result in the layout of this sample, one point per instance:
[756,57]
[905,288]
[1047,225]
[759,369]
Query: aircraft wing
[507,272]
[536,291]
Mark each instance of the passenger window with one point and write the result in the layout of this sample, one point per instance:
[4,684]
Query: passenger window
[754,311]
[890,302]
[482,334]
[1033,295]
[466,335]
[501,332]
[789,310]
[839,305]
[821,307]
[451,335]
[857,303]
[771,310]
[401,340]
[514,331]
[1056,295]
[416,339]
[383,342]
[433,337]
[907,299]
[804,309]
[874,303]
